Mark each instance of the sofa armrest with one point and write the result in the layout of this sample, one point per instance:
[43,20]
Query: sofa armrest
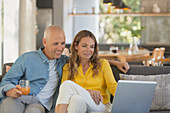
[4,69]
[0,78]
[116,72]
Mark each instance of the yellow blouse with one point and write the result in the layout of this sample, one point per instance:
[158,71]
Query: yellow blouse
[104,82]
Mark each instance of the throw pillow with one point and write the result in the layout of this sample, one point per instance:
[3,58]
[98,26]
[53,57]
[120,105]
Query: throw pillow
[161,100]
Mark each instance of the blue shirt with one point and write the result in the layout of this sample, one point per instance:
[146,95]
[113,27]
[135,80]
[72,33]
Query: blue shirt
[45,96]
[33,66]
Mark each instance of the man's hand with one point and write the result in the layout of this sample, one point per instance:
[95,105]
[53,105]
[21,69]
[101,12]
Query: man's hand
[66,52]
[15,92]
[124,67]
[96,96]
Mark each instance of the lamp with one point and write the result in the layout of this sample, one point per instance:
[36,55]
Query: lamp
[117,3]
[123,6]
[109,2]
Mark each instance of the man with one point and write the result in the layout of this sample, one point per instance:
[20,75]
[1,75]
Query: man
[43,68]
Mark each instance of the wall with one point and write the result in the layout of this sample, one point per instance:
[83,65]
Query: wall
[86,22]
[58,12]
[157,28]
[61,8]
[19,29]
[68,21]
[72,24]
[44,19]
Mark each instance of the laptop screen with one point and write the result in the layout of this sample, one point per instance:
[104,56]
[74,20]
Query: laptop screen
[133,96]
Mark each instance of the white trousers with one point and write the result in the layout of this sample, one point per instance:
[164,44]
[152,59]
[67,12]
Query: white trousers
[79,99]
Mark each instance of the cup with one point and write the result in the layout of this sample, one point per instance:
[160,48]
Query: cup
[25,86]
[114,49]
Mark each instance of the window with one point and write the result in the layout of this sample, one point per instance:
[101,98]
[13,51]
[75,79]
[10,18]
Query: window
[119,29]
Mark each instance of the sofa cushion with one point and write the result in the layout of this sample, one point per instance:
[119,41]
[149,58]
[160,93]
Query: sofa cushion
[161,100]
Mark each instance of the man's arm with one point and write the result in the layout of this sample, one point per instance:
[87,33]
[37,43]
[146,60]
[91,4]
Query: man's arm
[11,78]
[122,66]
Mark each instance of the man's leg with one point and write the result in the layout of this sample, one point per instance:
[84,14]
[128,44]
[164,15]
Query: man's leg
[34,108]
[11,105]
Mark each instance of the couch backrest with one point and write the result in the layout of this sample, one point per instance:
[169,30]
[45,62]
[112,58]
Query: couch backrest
[4,69]
[142,70]
[148,70]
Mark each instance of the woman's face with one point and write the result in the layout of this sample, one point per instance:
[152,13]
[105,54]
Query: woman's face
[85,48]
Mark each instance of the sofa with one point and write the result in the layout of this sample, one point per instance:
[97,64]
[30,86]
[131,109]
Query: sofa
[4,69]
[161,74]
[149,73]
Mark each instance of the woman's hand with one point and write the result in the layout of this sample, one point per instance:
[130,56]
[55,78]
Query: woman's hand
[96,96]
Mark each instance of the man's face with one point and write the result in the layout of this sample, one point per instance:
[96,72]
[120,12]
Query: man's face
[54,44]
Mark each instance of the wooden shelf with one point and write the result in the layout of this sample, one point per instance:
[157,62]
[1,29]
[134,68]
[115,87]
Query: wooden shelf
[122,14]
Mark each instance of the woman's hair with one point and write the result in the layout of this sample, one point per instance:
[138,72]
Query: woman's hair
[74,60]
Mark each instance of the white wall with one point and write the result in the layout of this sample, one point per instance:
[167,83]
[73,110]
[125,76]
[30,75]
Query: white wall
[68,20]
[86,22]
[73,24]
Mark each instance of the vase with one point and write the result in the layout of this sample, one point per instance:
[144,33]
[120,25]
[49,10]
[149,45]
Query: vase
[133,48]
[155,8]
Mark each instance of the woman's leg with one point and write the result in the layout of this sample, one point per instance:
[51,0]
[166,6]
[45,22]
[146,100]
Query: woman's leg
[77,105]
[69,88]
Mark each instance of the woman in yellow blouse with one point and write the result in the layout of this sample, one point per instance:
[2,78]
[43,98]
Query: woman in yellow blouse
[87,81]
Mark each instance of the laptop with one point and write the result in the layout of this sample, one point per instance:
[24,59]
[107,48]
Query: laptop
[133,96]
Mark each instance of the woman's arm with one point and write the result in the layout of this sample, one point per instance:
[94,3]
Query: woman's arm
[109,77]
[122,66]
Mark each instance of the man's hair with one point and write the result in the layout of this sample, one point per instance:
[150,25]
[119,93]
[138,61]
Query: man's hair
[51,28]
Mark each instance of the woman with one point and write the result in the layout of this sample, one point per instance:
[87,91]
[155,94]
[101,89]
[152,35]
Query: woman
[87,80]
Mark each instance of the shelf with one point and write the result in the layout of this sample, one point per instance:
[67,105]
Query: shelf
[122,14]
